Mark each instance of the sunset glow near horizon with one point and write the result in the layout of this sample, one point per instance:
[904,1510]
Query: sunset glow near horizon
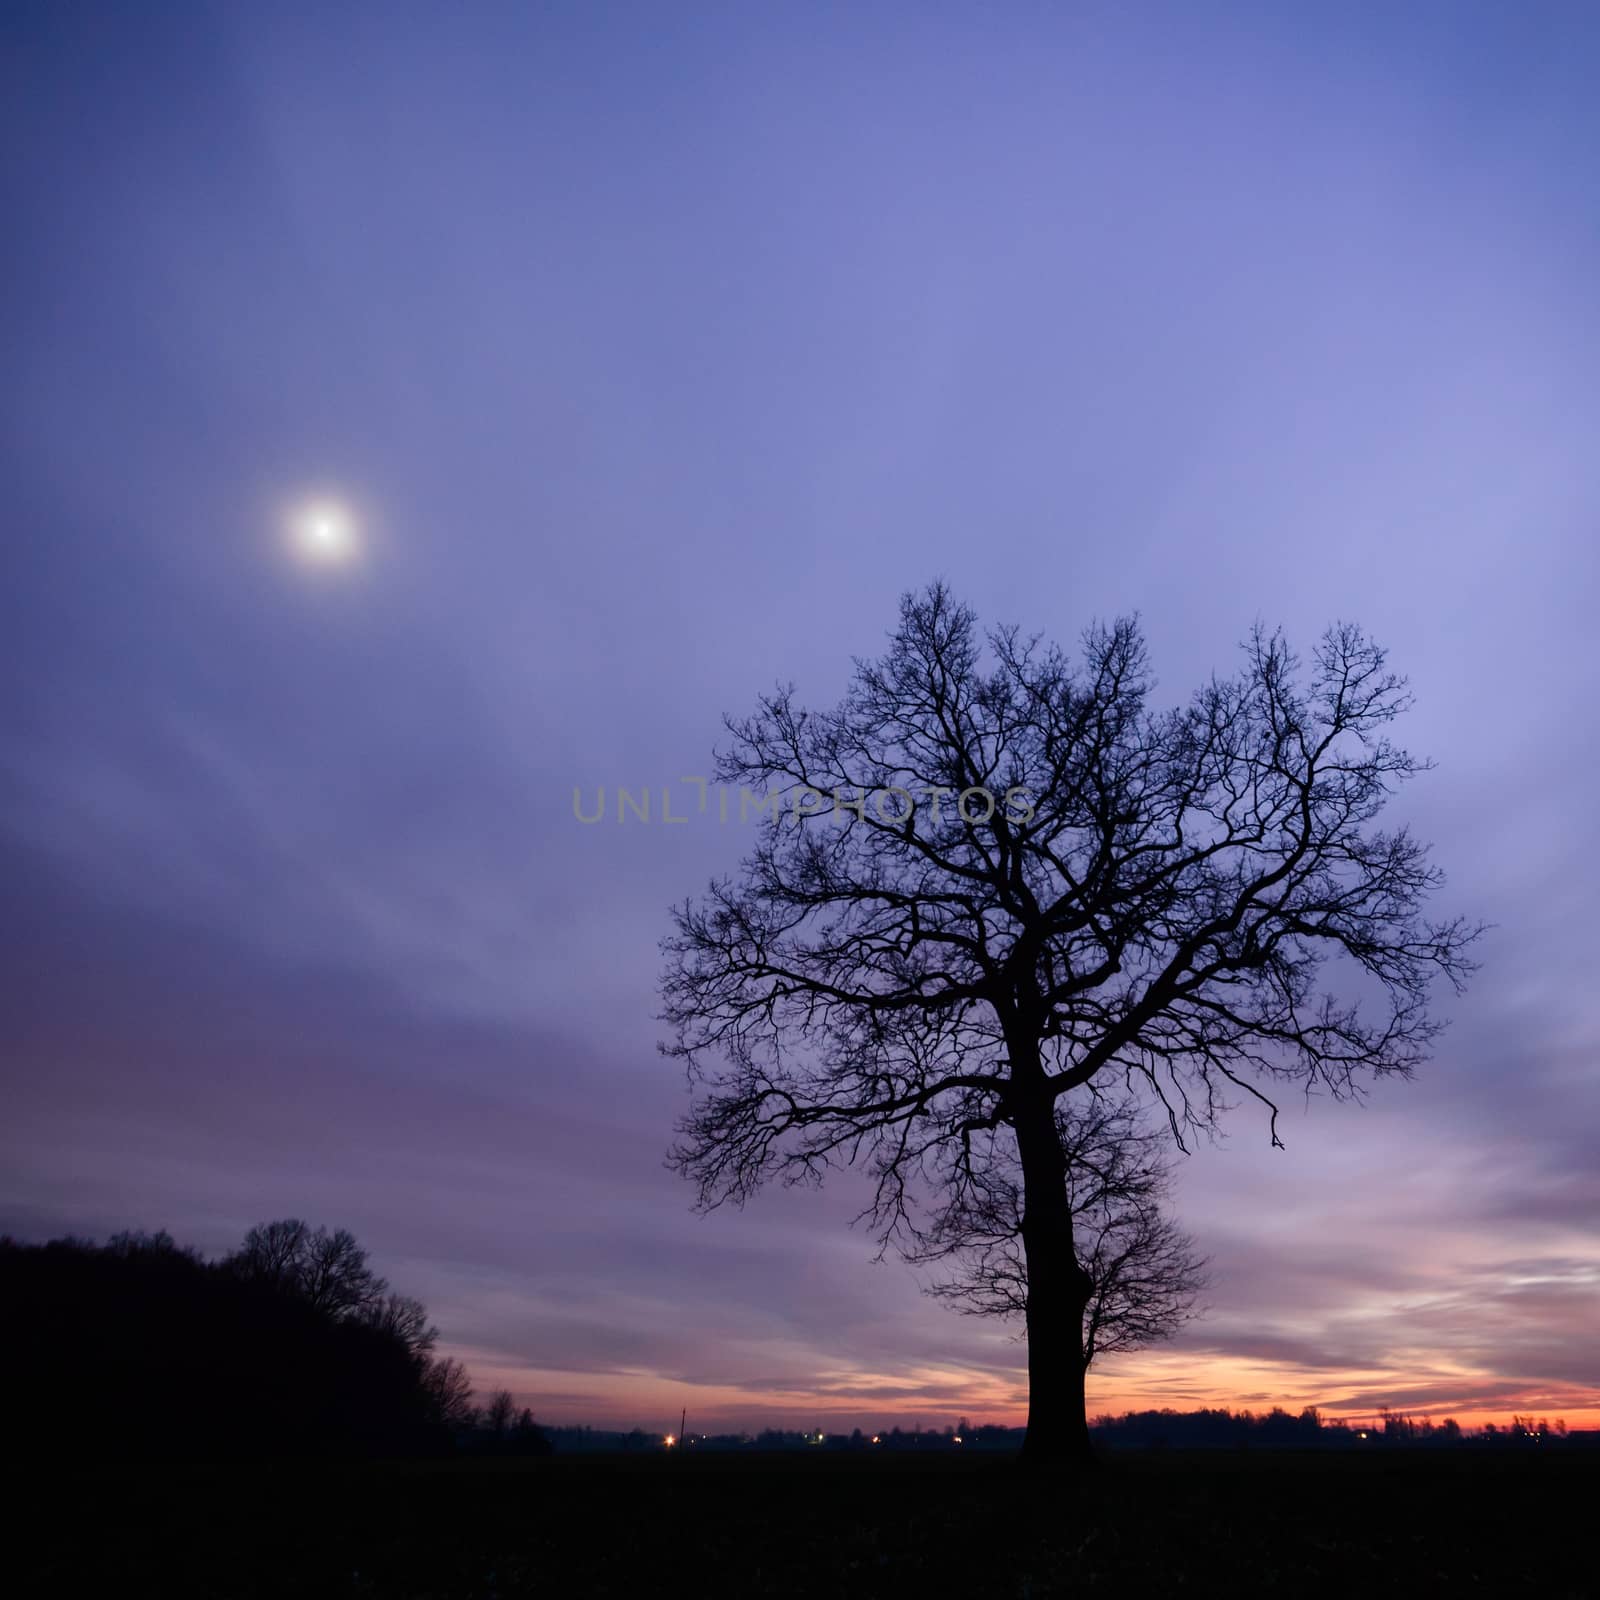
[660,372]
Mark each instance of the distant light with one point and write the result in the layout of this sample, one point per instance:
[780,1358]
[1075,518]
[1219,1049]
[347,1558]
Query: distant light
[670,1441]
[324,534]
[956,1440]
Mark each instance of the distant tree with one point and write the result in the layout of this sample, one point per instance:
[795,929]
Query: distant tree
[500,1413]
[448,1390]
[138,1243]
[990,880]
[326,1269]
[403,1318]
[1397,1427]
[335,1276]
[272,1253]
[527,1437]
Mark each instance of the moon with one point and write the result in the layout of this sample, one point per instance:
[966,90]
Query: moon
[324,534]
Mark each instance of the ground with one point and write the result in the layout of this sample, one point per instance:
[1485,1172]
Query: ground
[1210,1523]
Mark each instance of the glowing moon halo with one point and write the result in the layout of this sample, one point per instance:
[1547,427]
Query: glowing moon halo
[324,534]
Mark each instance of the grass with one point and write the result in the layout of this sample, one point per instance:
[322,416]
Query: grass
[1259,1523]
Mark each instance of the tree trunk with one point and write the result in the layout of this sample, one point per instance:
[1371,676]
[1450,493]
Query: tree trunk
[1058,1294]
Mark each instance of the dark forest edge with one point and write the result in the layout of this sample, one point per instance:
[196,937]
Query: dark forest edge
[289,1347]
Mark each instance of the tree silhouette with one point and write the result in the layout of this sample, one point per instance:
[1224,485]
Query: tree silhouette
[500,1413]
[985,884]
[327,1270]
[130,1346]
[1143,1270]
[403,1318]
[448,1391]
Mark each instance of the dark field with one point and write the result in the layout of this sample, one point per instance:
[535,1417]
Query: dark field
[1196,1524]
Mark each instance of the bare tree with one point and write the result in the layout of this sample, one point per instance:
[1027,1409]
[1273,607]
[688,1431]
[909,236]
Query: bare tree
[272,1252]
[500,1413]
[987,883]
[135,1242]
[403,1318]
[448,1391]
[327,1270]
[334,1275]
[1144,1272]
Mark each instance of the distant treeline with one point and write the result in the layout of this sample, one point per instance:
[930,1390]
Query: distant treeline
[290,1346]
[1308,1429]
[1134,1430]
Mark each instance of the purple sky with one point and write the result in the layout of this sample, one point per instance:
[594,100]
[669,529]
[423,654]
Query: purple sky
[655,351]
